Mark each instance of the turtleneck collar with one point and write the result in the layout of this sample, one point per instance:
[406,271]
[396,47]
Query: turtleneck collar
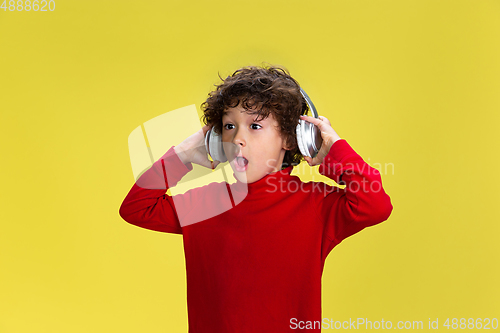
[267,184]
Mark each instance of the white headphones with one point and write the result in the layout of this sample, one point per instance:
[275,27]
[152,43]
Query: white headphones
[308,137]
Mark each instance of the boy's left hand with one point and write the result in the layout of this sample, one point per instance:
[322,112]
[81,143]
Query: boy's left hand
[327,133]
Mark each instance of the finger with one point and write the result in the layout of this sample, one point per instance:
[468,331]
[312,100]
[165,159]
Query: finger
[212,164]
[309,117]
[215,164]
[325,120]
[207,164]
[315,161]
[205,129]
[314,121]
[312,161]
[318,159]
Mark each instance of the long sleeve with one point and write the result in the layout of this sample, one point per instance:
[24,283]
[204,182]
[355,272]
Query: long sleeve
[147,205]
[362,203]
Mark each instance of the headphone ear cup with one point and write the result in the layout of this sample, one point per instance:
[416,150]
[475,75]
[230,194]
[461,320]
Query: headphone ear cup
[300,139]
[316,139]
[309,138]
[308,135]
[213,145]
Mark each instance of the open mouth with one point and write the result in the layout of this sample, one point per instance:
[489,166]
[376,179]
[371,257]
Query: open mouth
[241,163]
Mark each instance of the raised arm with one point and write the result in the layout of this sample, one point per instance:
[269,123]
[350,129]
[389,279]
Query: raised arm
[147,205]
[362,203]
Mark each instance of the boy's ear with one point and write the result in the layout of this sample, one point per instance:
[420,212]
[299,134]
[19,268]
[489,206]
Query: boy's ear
[285,144]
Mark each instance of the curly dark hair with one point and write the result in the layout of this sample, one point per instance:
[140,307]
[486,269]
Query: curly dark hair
[262,91]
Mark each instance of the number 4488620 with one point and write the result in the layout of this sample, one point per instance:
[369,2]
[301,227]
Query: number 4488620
[28,5]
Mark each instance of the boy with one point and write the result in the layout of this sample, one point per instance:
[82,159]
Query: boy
[256,265]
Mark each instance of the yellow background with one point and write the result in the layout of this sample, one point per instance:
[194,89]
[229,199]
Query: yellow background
[412,83]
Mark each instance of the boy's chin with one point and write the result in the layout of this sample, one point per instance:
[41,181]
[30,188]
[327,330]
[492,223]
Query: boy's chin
[240,175]
[240,179]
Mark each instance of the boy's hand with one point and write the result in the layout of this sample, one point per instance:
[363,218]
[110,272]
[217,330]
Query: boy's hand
[192,149]
[327,133]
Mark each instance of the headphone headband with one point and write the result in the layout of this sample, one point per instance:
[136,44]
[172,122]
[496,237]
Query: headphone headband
[309,103]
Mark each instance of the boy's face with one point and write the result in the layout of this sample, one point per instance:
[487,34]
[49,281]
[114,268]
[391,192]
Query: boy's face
[257,148]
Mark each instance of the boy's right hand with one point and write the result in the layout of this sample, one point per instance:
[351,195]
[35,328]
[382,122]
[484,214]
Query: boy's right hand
[192,150]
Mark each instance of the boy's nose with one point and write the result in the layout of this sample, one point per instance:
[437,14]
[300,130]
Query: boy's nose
[239,139]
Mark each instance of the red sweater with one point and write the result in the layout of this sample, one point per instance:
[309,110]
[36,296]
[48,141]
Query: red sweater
[254,259]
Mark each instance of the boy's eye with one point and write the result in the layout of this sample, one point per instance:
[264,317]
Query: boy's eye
[255,126]
[228,126]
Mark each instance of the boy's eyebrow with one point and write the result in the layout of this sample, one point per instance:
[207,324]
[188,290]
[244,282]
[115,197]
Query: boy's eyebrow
[225,113]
